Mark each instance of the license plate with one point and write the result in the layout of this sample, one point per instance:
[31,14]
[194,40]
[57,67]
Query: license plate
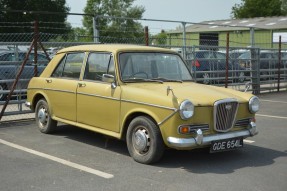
[226,144]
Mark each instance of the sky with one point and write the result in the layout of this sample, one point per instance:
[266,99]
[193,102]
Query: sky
[176,10]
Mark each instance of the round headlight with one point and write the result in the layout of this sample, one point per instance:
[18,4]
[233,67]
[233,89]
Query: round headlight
[254,104]
[186,109]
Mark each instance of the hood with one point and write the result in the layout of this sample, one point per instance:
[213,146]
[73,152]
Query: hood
[198,94]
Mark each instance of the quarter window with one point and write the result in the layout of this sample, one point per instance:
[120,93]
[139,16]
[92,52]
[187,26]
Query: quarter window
[70,66]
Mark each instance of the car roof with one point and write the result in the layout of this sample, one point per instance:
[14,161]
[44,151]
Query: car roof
[113,48]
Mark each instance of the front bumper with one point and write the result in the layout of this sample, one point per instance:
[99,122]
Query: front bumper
[28,104]
[201,140]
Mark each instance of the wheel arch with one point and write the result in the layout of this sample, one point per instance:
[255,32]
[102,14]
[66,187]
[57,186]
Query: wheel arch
[132,116]
[36,98]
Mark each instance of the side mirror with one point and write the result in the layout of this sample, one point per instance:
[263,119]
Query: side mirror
[108,78]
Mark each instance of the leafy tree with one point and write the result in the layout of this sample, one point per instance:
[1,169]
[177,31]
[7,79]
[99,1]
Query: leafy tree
[161,38]
[284,7]
[21,22]
[258,8]
[80,35]
[112,27]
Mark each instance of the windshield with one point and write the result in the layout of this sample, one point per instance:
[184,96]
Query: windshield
[143,66]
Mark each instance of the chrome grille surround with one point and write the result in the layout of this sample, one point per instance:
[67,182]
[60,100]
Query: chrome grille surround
[224,114]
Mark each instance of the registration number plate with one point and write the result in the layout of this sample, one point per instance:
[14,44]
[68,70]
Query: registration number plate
[226,144]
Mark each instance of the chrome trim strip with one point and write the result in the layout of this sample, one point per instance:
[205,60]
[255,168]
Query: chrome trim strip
[193,128]
[191,142]
[242,122]
[100,96]
[35,89]
[168,117]
[153,105]
[58,90]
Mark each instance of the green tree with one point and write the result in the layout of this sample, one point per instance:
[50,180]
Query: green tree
[21,22]
[161,38]
[284,7]
[111,27]
[258,8]
[80,34]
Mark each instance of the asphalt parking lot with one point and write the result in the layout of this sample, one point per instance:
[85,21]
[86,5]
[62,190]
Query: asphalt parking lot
[77,159]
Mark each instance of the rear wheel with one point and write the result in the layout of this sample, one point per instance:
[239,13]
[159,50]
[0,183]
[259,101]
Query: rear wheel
[43,117]
[144,140]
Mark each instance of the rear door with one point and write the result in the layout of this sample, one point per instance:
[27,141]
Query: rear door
[61,87]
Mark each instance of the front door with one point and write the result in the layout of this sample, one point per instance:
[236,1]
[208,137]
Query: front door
[98,102]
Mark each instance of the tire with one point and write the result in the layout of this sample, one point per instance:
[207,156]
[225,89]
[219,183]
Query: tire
[43,117]
[144,140]
[3,96]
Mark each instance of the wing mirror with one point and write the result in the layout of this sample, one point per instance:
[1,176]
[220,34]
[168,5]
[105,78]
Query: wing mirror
[109,79]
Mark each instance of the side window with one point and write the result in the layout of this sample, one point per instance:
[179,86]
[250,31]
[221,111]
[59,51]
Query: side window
[59,70]
[70,66]
[99,64]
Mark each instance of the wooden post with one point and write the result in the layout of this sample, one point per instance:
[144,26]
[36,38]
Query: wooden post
[227,60]
[146,35]
[36,37]
[279,65]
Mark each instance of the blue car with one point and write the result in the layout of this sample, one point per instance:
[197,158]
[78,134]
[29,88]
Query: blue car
[208,66]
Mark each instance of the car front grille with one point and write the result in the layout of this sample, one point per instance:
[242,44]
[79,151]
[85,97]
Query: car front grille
[224,114]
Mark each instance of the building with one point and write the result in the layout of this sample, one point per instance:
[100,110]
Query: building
[261,32]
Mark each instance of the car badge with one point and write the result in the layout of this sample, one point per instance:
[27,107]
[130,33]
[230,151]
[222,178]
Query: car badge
[228,107]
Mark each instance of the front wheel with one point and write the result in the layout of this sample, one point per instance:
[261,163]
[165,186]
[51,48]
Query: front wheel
[43,117]
[144,140]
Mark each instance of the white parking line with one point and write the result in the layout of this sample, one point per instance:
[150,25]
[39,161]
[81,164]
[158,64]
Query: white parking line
[248,141]
[56,159]
[266,100]
[271,116]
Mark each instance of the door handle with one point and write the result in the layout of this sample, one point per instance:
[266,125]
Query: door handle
[82,84]
[48,80]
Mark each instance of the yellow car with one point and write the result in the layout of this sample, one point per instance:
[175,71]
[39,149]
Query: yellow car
[143,95]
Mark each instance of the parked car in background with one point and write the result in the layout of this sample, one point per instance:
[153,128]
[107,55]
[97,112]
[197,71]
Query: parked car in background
[10,63]
[235,53]
[211,65]
[268,61]
[143,95]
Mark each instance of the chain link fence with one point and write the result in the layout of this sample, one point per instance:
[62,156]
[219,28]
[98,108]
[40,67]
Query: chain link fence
[212,59]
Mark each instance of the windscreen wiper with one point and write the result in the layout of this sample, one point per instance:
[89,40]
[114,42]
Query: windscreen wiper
[167,80]
[143,80]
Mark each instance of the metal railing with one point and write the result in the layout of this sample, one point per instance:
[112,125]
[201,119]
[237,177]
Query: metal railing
[260,71]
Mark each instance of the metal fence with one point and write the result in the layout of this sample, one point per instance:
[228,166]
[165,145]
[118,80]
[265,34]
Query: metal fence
[227,66]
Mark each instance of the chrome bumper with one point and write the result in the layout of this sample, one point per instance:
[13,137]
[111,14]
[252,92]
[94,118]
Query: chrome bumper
[201,140]
[28,104]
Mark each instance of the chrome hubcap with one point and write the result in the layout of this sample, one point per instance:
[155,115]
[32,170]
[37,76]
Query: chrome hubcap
[141,140]
[42,115]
